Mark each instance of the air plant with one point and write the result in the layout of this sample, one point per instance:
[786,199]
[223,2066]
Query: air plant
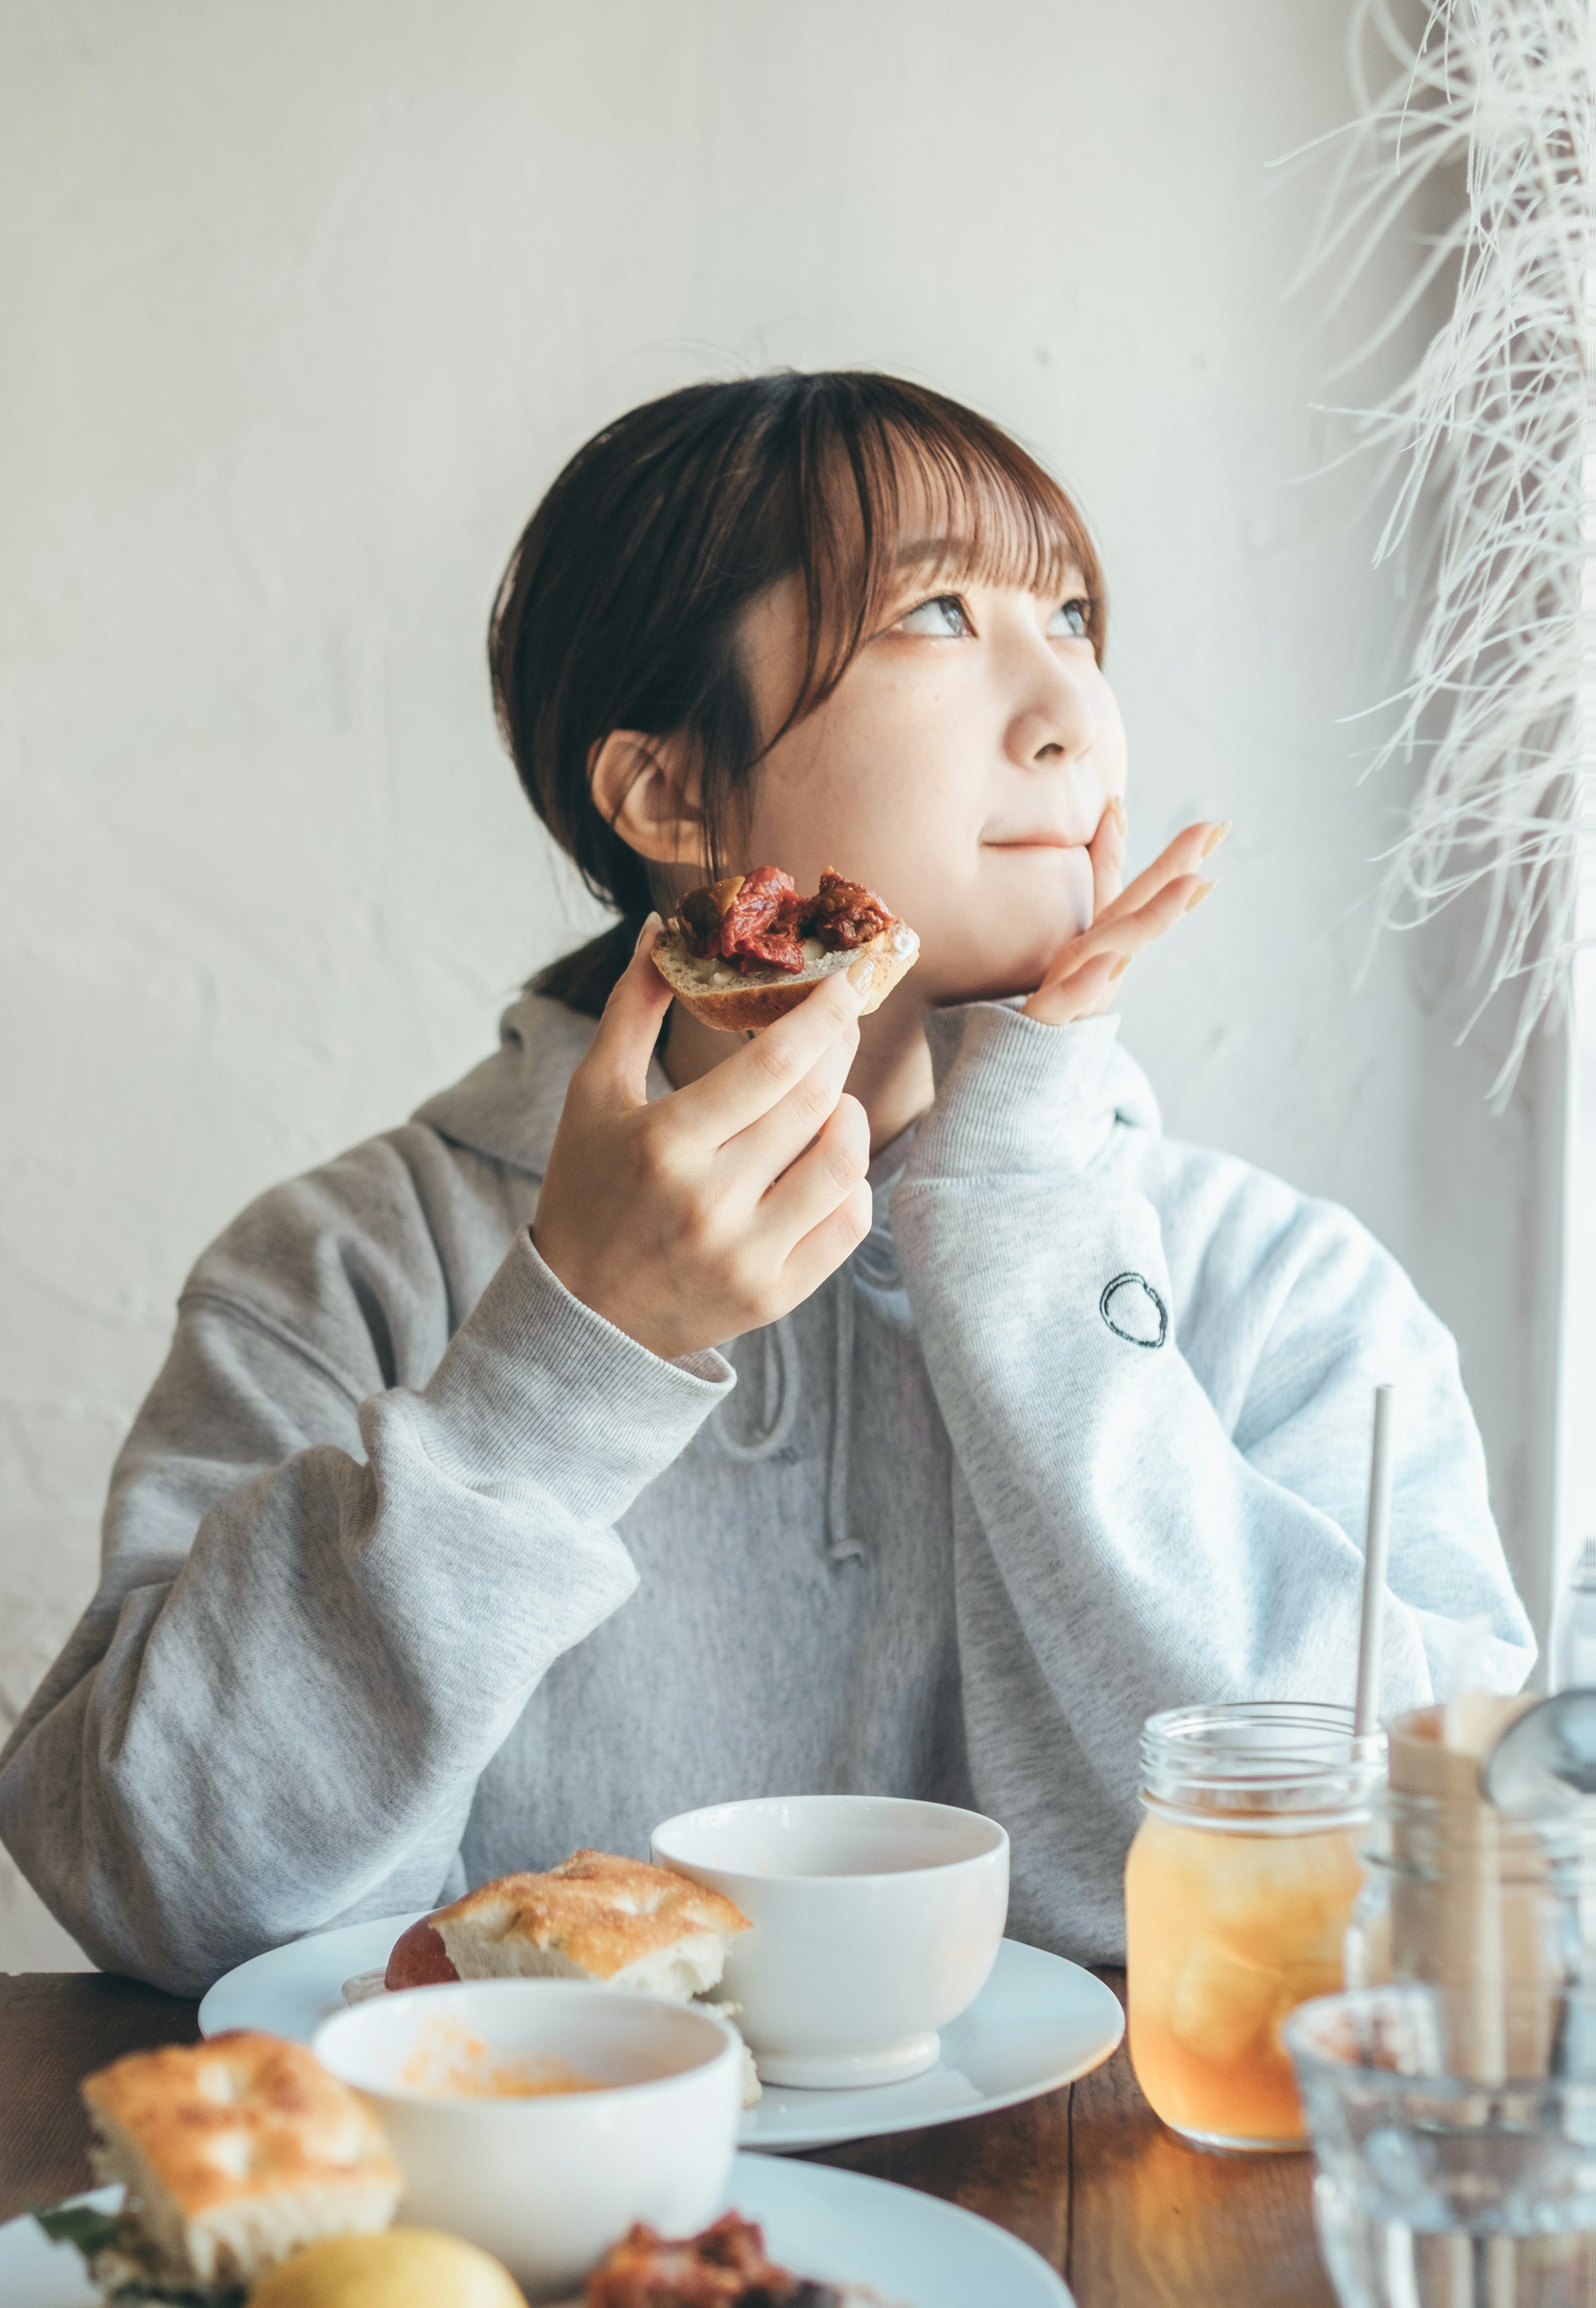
[1490,455]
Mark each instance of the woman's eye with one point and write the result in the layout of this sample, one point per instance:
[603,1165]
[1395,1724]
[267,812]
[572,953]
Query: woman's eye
[943,617]
[1070,622]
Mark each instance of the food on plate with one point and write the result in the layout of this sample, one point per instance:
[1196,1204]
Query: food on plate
[407,2267]
[742,952]
[550,2079]
[612,1922]
[365,1985]
[726,2266]
[618,1923]
[235,2153]
[450,2062]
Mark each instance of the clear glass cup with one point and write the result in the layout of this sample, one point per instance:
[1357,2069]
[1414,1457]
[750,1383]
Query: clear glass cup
[1237,1888]
[1433,2190]
[1501,1912]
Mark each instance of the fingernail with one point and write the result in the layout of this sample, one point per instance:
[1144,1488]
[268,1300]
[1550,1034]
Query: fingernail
[1216,837]
[861,971]
[1203,890]
[1120,969]
[1119,810]
[653,923]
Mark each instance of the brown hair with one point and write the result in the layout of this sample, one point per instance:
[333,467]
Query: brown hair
[622,604]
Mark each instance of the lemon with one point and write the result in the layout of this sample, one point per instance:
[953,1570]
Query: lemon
[405,2267]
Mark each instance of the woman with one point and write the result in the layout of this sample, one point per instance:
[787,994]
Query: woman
[443,1543]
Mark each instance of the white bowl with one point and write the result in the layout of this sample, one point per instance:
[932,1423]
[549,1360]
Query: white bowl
[546,2184]
[876,1921]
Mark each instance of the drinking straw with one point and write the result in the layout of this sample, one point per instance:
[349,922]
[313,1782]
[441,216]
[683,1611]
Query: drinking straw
[1377,1552]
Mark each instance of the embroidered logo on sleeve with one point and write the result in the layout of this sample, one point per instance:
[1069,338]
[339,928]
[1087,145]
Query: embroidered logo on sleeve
[1133,1310]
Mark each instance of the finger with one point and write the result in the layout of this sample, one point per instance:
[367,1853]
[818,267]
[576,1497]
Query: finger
[617,1058]
[820,1182]
[1106,849]
[824,1248]
[761,1152]
[1183,855]
[746,1086]
[1083,995]
[1128,932]
[1133,933]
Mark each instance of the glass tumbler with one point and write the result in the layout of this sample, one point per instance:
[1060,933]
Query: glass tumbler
[1499,1913]
[1433,2190]
[1237,1888]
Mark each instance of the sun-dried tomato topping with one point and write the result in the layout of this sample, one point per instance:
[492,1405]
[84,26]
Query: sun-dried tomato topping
[775,949]
[762,925]
[721,2269]
[748,934]
[844,913]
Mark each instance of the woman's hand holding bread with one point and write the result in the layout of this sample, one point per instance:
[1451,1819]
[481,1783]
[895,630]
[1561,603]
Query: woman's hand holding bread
[689,1219]
[1083,973]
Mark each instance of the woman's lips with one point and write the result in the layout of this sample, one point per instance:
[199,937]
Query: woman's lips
[1035,842]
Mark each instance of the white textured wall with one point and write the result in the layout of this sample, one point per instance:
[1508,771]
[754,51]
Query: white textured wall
[304,300]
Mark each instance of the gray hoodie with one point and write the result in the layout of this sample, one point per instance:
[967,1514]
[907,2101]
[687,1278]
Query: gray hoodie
[416,1571]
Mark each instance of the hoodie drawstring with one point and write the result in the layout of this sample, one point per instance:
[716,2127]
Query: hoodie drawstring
[778,1350]
[840,1548]
[780,1389]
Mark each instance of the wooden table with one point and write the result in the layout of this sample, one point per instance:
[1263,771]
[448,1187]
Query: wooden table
[1130,2216]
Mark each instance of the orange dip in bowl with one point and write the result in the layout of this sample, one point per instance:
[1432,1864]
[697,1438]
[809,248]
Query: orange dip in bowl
[450,2064]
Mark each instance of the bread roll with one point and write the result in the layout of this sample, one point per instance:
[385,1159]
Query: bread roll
[235,2153]
[618,1922]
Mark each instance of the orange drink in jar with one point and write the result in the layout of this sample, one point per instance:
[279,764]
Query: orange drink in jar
[1238,1891]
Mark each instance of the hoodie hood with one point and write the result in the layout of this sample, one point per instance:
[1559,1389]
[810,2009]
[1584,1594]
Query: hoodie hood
[509,1107]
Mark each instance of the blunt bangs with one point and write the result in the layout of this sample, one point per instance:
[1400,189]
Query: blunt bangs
[892,489]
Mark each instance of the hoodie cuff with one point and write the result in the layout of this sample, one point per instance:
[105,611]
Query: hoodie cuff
[1013,1095]
[537,1388]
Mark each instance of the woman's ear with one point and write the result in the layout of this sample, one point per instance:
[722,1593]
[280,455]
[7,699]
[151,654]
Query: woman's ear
[646,789]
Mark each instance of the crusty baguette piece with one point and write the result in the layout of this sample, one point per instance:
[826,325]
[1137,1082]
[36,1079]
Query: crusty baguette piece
[740,1001]
[597,1918]
[235,2153]
[617,1923]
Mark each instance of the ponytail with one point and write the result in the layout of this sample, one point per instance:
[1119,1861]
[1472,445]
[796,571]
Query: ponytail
[585,980]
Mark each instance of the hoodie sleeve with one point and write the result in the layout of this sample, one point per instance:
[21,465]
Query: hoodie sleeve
[1157,1372]
[325,1603]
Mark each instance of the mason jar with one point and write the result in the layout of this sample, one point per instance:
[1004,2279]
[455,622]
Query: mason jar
[1239,1887]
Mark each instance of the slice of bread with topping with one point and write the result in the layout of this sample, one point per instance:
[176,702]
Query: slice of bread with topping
[742,952]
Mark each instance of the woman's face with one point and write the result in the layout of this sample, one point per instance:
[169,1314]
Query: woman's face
[959,769]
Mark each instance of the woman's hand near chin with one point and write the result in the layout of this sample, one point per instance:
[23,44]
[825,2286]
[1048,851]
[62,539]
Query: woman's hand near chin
[1082,976]
[689,1219]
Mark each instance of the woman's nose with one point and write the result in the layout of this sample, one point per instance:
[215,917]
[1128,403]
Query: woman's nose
[1055,725]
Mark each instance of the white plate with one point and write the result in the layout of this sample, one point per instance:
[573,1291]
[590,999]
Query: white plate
[1039,2023]
[912,2248]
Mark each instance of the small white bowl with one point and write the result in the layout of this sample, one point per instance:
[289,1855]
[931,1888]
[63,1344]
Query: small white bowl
[876,1921]
[547,2184]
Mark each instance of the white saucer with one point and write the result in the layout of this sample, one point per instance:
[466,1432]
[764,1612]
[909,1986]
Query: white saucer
[1039,2023]
[914,2249]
